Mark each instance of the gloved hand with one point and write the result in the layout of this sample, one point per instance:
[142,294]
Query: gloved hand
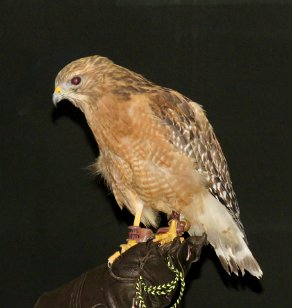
[122,285]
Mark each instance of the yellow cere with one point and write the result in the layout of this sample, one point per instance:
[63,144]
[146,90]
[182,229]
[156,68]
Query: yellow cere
[58,90]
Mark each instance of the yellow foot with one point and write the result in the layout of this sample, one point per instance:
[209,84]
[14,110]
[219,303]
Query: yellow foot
[124,247]
[169,236]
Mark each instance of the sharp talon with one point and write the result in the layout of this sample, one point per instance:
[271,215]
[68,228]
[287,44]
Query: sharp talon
[112,258]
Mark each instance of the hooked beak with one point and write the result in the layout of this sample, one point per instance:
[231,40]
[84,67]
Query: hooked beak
[58,95]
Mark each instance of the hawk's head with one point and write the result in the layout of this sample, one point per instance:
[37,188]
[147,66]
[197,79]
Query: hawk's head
[82,81]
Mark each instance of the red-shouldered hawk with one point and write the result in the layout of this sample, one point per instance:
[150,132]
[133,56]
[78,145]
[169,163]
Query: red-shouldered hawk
[158,152]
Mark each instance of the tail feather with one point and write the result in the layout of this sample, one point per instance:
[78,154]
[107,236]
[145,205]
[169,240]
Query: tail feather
[239,260]
[226,237]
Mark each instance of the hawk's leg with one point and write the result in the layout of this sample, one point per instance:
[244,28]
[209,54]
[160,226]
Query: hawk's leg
[132,239]
[137,219]
[169,235]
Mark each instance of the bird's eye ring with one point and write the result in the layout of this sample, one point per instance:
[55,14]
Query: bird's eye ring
[75,80]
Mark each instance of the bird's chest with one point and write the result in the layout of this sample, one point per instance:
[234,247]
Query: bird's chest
[137,154]
[127,129]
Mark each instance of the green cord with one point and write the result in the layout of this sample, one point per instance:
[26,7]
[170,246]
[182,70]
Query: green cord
[161,289]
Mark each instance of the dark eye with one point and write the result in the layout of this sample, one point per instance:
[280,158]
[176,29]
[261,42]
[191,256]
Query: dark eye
[75,80]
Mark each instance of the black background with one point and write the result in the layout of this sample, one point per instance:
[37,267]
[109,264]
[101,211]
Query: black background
[58,220]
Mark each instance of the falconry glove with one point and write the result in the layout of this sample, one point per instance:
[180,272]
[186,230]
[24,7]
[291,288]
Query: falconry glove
[147,275]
